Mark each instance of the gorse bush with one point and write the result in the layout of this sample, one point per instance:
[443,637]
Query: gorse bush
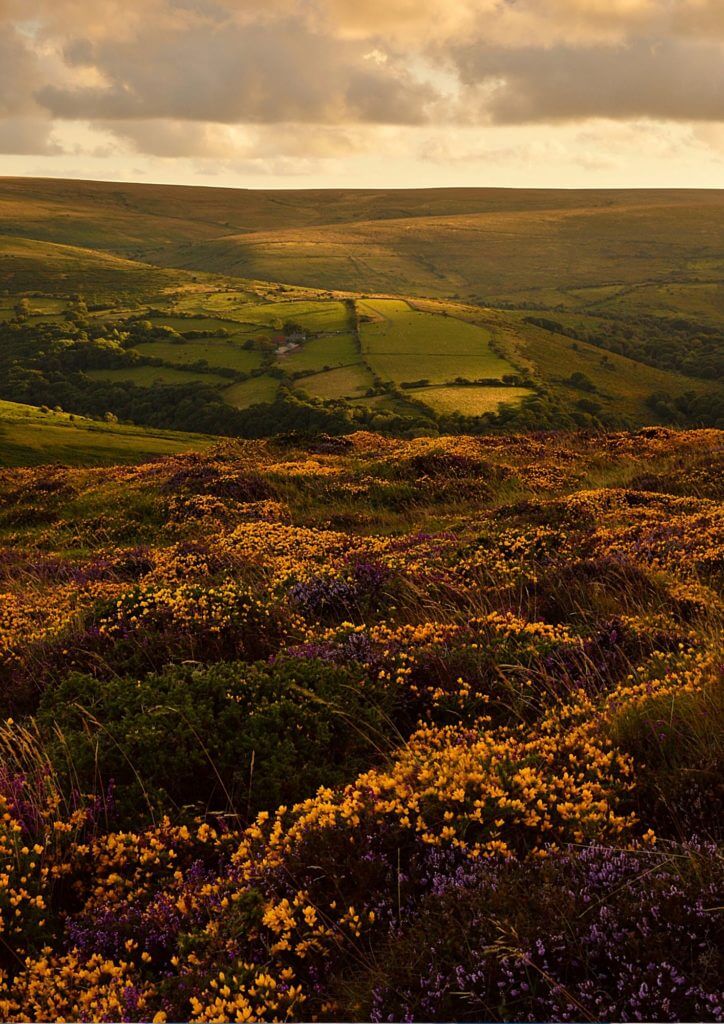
[678,743]
[232,738]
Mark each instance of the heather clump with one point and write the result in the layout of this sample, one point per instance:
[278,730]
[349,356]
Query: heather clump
[578,936]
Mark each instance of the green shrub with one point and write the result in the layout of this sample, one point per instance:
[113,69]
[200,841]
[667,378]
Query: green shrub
[232,737]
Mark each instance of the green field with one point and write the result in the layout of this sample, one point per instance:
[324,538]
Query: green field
[470,401]
[215,353]
[343,382]
[251,392]
[197,323]
[147,376]
[227,303]
[315,354]
[404,344]
[312,316]
[31,437]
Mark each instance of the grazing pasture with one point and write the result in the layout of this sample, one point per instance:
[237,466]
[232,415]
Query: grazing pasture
[251,392]
[311,316]
[406,344]
[470,400]
[343,382]
[316,353]
[228,354]
[214,325]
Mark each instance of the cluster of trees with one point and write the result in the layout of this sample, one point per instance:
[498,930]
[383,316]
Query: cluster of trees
[702,409]
[684,346]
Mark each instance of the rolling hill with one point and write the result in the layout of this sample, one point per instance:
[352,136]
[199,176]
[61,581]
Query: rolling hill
[27,264]
[505,245]
[408,311]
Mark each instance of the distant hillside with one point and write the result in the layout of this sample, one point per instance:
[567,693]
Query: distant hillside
[40,266]
[244,313]
[547,257]
[350,238]
[30,436]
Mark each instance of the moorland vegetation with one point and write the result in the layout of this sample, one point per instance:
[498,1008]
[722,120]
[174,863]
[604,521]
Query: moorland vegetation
[363,728]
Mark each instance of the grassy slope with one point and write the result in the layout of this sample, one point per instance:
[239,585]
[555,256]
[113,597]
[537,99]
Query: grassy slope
[136,217]
[476,242]
[251,392]
[31,437]
[27,264]
[532,255]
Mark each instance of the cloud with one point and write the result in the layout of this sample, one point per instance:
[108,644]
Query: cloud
[229,73]
[28,135]
[643,78]
[18,73]
[297,84]
[209,141]
[346,62]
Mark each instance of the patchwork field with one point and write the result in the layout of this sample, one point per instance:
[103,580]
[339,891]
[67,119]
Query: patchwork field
[634,278]
[405,344]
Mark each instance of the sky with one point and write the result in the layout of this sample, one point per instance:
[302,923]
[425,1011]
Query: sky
[365,93]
